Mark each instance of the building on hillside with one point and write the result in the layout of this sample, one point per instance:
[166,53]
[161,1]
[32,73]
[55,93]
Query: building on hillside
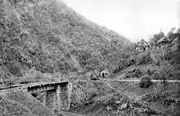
[163,40]
[105,73]
[142,45]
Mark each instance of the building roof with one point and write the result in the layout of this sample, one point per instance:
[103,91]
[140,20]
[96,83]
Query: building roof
[142,43]
[105,70]
[163,40]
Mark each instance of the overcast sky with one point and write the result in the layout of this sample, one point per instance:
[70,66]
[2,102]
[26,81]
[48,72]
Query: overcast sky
[135,19]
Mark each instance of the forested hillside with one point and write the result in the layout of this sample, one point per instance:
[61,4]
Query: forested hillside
[49,36]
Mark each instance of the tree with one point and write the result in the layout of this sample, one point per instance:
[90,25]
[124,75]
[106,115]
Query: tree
[158,36]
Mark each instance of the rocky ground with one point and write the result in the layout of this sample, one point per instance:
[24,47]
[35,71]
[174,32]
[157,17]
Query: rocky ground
[114,98]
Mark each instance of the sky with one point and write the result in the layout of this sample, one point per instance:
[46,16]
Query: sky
[134,19]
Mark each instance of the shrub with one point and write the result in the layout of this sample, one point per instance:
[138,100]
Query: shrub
[145,82]
[166,71]
[123,63]
[137,73]
[143,58]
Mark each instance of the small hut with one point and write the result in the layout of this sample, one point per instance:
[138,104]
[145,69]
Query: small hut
[105,73]
[142,45]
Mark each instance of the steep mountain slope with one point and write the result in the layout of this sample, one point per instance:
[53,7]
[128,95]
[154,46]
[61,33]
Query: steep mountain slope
[45,33]
[17,102]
